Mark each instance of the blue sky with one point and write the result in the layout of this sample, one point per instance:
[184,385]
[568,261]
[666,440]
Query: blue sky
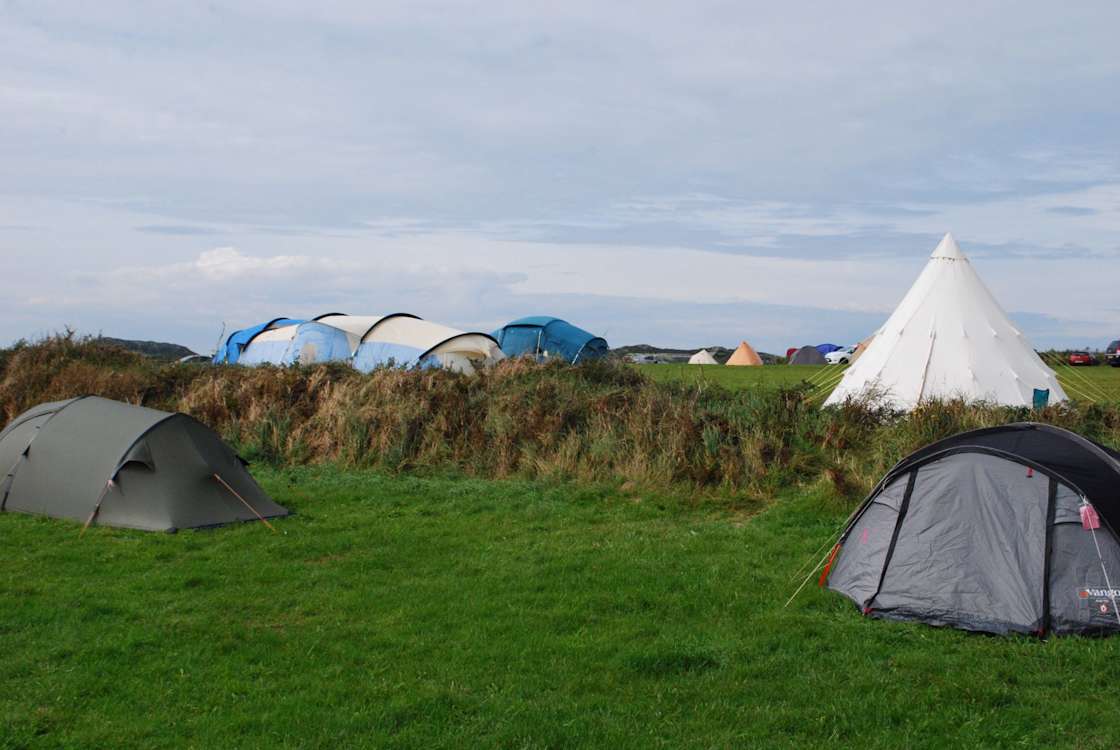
[685,174]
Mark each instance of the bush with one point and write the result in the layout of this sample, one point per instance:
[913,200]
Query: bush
[599,421]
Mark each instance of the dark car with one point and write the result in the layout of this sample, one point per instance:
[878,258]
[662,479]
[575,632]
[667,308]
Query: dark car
[1081,358]
[1112,353]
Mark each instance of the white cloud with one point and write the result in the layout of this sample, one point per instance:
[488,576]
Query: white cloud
[203,162]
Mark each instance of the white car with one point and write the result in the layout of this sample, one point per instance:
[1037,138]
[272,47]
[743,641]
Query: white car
[840,356]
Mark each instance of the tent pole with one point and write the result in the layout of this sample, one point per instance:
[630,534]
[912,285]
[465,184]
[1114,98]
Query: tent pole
[96,508]
[1100,558]
[243,500]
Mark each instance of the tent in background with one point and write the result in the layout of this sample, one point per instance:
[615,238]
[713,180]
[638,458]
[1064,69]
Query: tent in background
[948,338]
[702,357]
[368,342]
[828,348]
[984,531]
[744,356]
[545,337]
[403,340]
[807,355]
[230,352]
[114,464]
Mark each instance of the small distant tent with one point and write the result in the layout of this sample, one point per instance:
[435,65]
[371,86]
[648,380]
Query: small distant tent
[744,356]
[948,338]
[368,342]
[808,355]
[100,461]
[230,352]
[790,352]
[544,337]
[828,348]
[702,357]
[1006,529]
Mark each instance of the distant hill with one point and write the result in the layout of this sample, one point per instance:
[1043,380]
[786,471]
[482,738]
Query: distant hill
[666,354]
[153,349]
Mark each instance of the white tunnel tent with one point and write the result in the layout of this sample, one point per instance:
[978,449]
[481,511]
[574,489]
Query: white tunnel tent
[369,342]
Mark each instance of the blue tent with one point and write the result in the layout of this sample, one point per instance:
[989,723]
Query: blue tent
[543,337]
[828,348]
[315,343]
[238,340]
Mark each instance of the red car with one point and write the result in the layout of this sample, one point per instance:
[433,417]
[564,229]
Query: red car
[1082,358]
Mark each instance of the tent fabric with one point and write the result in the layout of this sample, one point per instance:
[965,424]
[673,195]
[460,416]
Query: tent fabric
[828,348]
[546,337]
[744,356]
[702,357]
[407,341]
[982,531]
[230,352]
[948,338]
[148,469]
[368,342]
[861,347]
[807,355]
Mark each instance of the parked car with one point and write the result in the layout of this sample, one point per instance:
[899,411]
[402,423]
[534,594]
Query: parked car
[1112,353]
[1082,358]
[840,356]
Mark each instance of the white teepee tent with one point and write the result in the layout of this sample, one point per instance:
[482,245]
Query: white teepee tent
[702,357]
[948,338]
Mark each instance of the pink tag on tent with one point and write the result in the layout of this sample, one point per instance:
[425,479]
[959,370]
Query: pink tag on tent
[1089,517]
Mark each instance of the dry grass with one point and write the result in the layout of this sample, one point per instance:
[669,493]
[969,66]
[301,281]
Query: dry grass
[599,422]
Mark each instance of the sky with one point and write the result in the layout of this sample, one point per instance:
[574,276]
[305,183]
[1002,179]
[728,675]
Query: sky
[681,174]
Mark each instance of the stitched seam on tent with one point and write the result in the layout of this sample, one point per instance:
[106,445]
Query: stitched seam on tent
[121,462]
[902,510]
[999,453]
[267,327]
[362,338]
[1051,512]
[457,336]
[11,475]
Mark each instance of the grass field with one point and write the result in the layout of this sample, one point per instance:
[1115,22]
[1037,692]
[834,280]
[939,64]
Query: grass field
[421,612]
[1100,383]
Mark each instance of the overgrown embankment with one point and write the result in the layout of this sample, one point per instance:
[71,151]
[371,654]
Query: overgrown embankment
[600,422]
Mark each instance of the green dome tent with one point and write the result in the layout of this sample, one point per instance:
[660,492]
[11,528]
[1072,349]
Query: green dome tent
[96,460]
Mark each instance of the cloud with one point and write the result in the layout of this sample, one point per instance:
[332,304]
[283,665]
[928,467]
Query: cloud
[1072,210]
[467,161]
[176,229]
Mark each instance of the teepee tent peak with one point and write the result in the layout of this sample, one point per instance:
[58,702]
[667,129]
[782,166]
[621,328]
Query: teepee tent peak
[948,248]
[702,357]
[744,356]
[948,339]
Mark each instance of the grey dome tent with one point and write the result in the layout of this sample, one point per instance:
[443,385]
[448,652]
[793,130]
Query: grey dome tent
[96,460]
[808,355]
[1006,530]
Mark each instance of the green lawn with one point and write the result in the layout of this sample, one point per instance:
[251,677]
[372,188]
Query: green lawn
[1099,383]
[413,612]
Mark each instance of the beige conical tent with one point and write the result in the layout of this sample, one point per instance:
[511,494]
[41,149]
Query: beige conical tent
[948,339]
[702,357]
[745,356]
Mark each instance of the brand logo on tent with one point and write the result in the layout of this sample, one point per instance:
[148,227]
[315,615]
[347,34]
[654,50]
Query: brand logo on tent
[1099,594]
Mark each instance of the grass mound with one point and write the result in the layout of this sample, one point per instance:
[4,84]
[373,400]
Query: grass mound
[597,422]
